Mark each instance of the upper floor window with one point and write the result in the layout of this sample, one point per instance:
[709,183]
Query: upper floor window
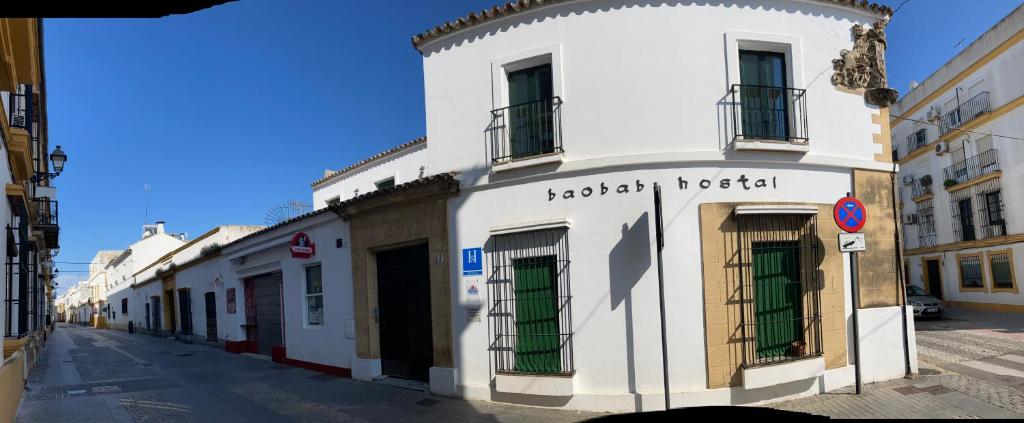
[530,125]
[314,296]
[386,183]
[333,201]
[769,109]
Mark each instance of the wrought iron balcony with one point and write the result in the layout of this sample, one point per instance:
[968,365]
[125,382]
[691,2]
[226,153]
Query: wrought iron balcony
[526,130]
[47,221]
[922,186]
[774,114]
[971,168]
[965,112]
[917,140]
[20,110]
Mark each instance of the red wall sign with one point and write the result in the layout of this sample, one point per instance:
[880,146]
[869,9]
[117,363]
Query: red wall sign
[302,247]
[850,214]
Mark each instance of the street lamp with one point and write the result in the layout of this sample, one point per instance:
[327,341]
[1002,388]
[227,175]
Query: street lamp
[58,157]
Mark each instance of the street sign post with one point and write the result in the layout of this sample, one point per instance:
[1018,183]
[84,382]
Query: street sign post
[850,216]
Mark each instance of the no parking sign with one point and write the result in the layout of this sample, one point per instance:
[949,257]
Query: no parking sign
[850,214]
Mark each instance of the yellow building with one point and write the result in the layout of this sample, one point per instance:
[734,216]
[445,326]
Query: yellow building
[30,213]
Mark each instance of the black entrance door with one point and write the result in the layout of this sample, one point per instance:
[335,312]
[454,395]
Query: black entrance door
[403,298]
[211,316]
[157,311]
[172,320]
[267,293]
[934,279]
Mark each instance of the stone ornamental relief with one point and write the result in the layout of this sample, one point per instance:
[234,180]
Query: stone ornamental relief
[864,66]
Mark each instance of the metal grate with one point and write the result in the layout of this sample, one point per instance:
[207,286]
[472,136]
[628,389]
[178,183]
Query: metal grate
[977,203]
[766,113]
[526,130]
[970,271]
[965,112]
[916,140]
[1002,270]
[780,300]
[530,312]
[926,224]
[972,167]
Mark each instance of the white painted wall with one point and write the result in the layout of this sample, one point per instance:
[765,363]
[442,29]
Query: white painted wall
[328,344]
[644,90]
[121,275]
[404,166]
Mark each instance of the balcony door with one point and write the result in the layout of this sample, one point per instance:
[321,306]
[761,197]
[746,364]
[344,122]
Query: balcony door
[530,120]
[763,95]
[966,220]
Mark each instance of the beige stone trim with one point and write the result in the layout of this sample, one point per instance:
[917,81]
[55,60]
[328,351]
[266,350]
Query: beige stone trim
[884,136]
[878,277]
[960,273]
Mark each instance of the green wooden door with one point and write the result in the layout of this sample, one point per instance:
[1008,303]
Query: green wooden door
[531,127]
[537,343]
[777,297]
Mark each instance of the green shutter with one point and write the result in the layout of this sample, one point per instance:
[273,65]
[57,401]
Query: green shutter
[765,113]
[777,298]
[531,127]
[537,343]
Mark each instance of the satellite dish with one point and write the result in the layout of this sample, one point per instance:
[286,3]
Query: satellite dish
[286,212]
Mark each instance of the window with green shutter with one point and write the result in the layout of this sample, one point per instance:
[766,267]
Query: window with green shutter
[777,292]
[530,117]
[536,315]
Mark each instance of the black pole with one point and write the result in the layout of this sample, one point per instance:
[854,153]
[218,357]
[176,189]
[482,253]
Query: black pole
[855,294]
[660,238]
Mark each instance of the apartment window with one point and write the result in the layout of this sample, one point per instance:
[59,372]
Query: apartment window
[763,96]
[969,266]
[387,183]
[333,201]
[994,207]
[530,124]
[314,296]
[1000,264]
[124,306]
[781,319]
[531,310]
[966,219]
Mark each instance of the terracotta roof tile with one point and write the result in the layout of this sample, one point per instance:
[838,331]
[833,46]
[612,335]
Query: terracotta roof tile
[518,6]
[391,151]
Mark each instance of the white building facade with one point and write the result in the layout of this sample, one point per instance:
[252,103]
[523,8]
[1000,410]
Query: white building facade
[962,238]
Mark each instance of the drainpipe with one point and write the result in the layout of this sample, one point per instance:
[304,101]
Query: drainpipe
[901,284]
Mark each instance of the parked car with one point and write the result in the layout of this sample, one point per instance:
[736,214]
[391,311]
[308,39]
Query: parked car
[924,305]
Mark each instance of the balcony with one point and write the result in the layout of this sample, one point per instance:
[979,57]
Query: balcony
[970,169]
[20,113]
[527,130]
[769,118]
[965,112]
[921,188]
[918,139]
[46,220]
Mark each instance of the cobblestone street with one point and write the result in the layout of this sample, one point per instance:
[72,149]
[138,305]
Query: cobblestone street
[89,375]
[971,366]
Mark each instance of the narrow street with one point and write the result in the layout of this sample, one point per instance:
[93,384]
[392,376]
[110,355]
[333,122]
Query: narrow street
[89,375]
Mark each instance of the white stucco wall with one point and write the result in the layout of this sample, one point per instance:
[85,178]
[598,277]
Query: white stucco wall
[404,166]
[329,344]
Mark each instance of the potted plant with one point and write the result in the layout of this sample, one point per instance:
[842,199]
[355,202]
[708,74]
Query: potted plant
[798,349]
[948,183]
[926,180]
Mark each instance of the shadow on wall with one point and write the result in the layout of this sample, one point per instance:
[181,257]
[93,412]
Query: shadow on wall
[628,261]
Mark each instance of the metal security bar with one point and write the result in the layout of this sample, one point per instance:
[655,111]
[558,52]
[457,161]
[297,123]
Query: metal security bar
[526,130]
[764,113]
[980,203]
[531,302]
[20,110]
[922,186]
[780,300]
[964,113]
[973,167]
[917,140]
[970,271]
[926,224]
[46,211]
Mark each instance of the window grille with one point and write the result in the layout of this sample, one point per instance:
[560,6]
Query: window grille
[970,271]
[530,310]
[977,203]
[926,224]
[1001,265]
[780,300]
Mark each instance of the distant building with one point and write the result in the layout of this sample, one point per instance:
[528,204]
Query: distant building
[963,226]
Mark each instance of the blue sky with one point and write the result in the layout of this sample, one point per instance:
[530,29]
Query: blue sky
[228,112]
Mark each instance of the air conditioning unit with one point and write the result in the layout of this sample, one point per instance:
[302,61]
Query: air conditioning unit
[941,148]
[910,219]
[934,113]
[908,179]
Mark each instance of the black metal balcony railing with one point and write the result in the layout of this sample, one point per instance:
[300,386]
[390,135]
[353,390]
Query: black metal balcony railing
[965,112]
[982,164]
[917,140]
[526,130]
[766,113]
[922,186]
[20,111]
[46,212]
